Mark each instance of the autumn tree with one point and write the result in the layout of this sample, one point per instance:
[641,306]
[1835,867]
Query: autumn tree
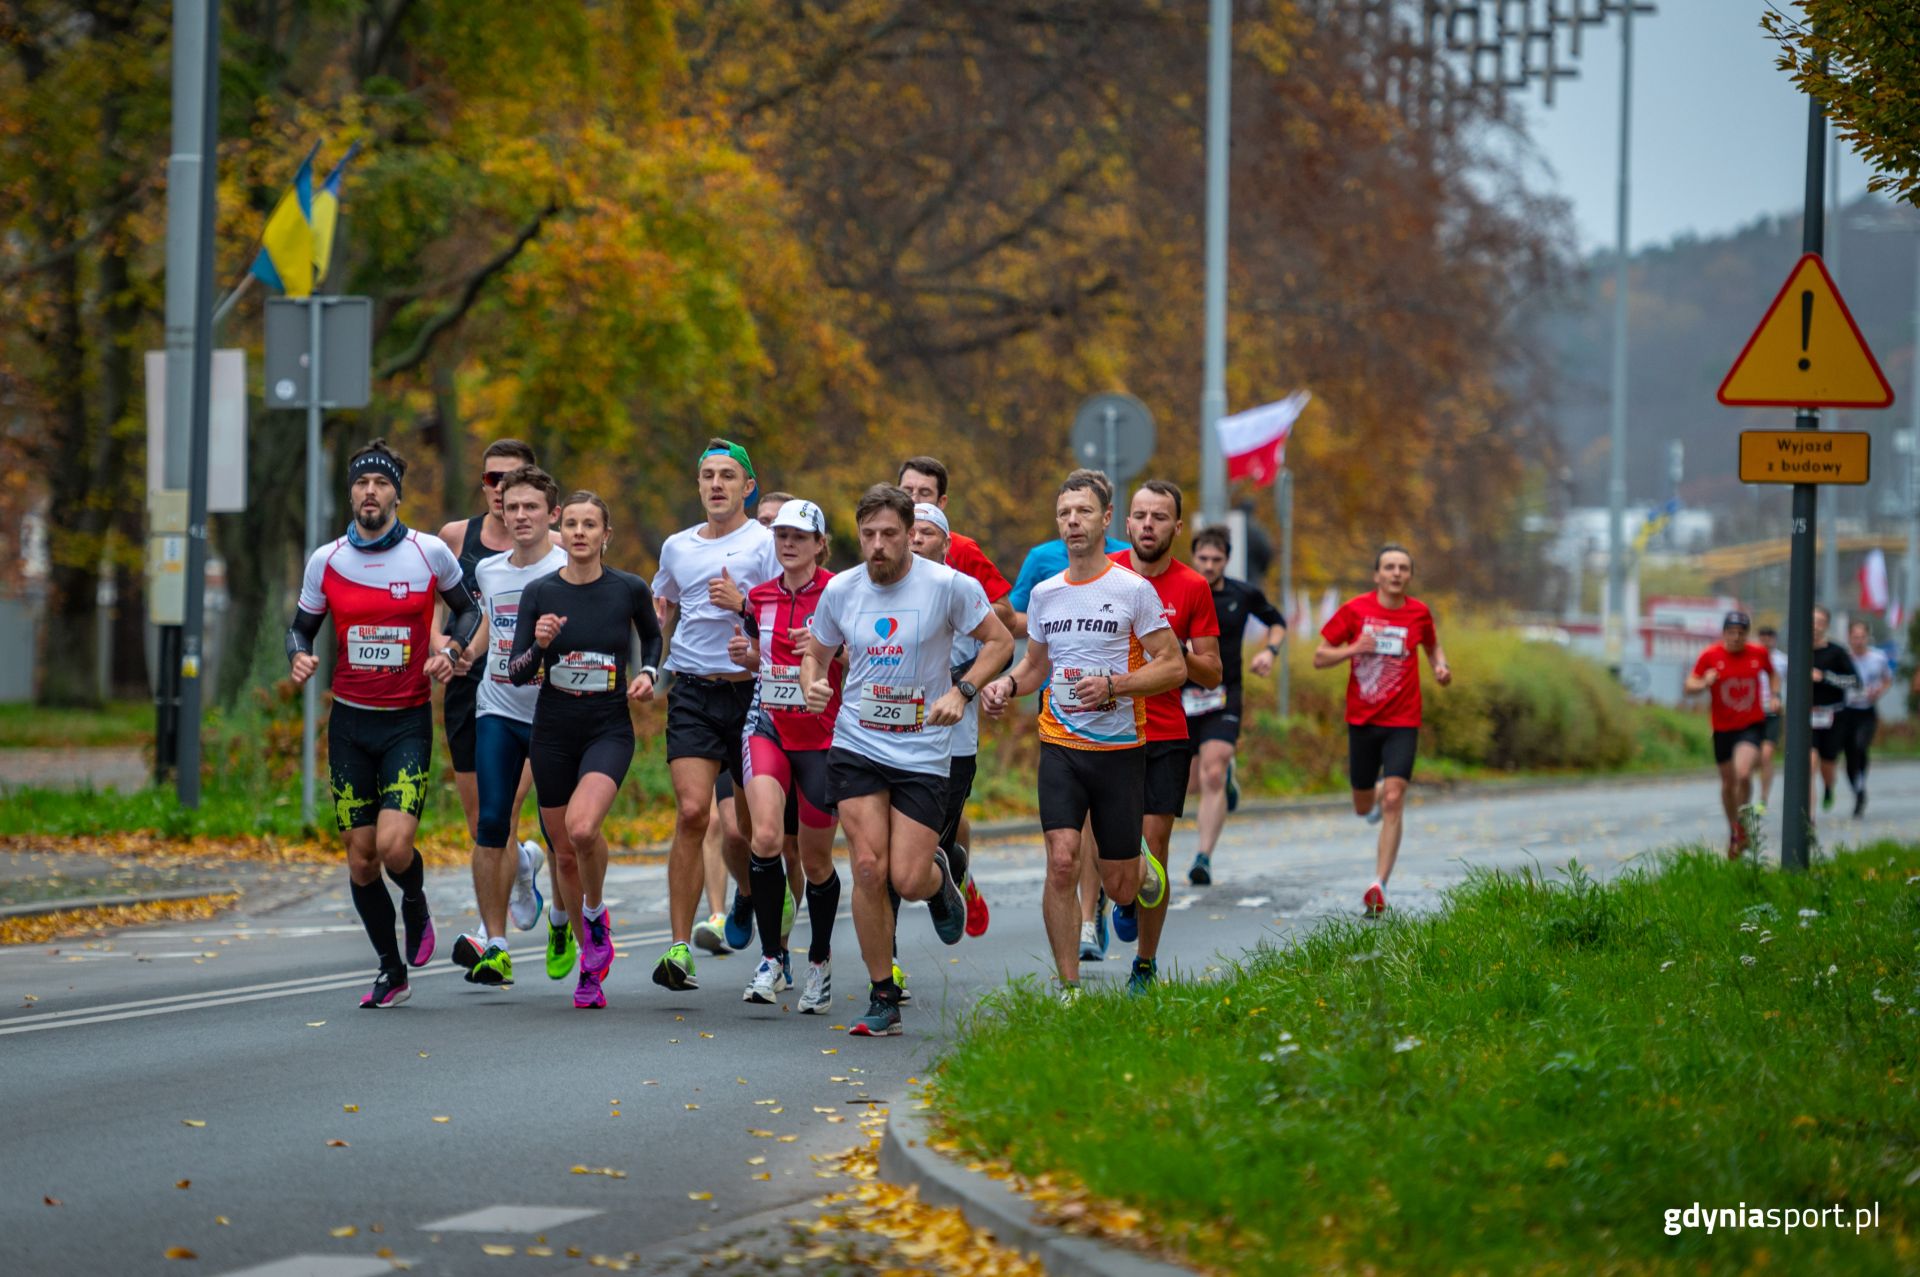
[1860,58]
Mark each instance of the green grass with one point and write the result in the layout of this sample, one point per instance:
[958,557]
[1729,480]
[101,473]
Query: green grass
[116,723]
[1524,1081]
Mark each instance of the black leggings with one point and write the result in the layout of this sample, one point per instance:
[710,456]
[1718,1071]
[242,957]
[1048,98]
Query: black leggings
[1856,737]
[576,735]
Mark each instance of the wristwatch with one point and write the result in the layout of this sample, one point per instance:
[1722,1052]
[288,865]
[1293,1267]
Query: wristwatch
[453,652]
[651,672]
[967,689]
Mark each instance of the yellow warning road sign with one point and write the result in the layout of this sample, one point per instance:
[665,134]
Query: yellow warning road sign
[1807,351]
[1805,456]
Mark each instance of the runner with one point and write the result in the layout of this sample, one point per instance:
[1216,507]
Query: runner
[1381,633]
[1833,677]
[1860,719]
[582,741]
[705,572]
[1098,643]
[529,500]
[932,539]
[379,582]
[1186,601]
[1771,731]
[1049,558]
[887,771]
[786,761]
[472,540]
[1213,714]
[1737,674]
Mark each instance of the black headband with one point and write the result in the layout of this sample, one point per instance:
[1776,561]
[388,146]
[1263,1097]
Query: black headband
[375,463]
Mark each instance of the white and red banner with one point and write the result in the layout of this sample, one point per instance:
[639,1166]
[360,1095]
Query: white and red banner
[1255,441]
[1873,582]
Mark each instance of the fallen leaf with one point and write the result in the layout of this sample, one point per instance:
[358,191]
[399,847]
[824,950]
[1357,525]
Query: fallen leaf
[766,1101]
[607,1171]
[349,1108]
[443,1120]
[540,1252]
[692,1107]
[180,1252]
[314,1024]
[183,1183]
[705,1034]
[345,1230]
[337,1144]
[760,1135]
[191,1121]
[788,1139]
[756,1161]
[221,1220]
[764,1175]
[53,1201]
[699,1197]
[500,1252]
[832,1050]
[385,1252]
[423,1055]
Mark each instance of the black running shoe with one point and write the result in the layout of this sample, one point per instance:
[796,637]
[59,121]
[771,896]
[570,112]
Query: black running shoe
[882,1020]
[947,905]
[413,911]
[389,990]
[1859,803]
[468,950]
[1201,875]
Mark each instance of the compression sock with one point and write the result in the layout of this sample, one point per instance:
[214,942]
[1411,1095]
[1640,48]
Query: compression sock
[412,880]
[375,907]
[769,880]
[823,902]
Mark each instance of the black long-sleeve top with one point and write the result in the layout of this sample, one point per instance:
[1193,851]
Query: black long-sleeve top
[590,655]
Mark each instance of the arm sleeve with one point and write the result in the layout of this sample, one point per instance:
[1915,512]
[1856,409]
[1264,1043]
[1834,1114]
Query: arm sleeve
[524,664]
[664,588]
[300,635]
[645,624]
[463,610]
[1261,610]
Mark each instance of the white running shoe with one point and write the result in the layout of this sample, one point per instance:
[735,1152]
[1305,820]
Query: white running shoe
[768,980]
[711,934]
[1090,943]
[1373,817]
[525,905]
[817,997]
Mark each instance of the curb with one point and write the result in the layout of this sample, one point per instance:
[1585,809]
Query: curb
[907,1158]
[34,908]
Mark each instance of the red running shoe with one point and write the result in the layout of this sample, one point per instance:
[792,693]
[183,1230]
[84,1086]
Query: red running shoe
[978,915]
[1737,843]
[1375,900]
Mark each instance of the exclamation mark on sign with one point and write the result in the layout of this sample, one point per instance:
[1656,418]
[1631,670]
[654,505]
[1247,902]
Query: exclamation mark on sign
[1806,327]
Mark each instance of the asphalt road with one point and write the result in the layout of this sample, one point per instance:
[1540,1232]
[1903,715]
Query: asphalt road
[227,1055]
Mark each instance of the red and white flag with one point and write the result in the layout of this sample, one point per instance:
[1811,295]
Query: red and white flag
[1255,441]
[1873,582]
[1896,615]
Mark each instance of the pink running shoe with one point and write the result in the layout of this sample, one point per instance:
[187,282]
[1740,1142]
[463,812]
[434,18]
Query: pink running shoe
[596,952]
[588,995]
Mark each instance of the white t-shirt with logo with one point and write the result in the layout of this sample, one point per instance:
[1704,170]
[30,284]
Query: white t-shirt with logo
[1874,668]
[899,641]
[501,584]
[687,562]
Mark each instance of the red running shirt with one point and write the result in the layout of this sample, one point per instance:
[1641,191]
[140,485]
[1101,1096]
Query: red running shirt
[965,555]
[1186,600]
[1738,696]
[1383,686]
[382,606]
[777,611]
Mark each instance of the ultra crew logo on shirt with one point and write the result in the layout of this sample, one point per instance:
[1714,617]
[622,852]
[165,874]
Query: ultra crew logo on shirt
[886,627]
[890,652]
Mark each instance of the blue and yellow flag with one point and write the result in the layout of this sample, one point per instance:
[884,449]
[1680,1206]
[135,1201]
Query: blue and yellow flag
[326,212]
[286,259]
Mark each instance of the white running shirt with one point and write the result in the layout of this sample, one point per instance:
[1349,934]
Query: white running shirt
[899,641]
[1874,669]
[687,562]
[500,586]
[1093,627]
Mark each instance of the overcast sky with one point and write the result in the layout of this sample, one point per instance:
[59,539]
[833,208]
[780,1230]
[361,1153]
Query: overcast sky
[1719,135]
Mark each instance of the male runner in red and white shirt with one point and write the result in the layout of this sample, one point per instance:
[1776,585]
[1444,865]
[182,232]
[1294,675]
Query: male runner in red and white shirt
[1737,675]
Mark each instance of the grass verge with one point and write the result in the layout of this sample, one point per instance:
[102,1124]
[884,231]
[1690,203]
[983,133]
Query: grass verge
[116,723]
[1526,1080]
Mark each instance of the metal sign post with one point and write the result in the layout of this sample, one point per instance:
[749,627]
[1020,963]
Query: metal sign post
[301,333]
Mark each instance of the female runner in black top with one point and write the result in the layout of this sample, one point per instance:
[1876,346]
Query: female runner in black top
[582,741]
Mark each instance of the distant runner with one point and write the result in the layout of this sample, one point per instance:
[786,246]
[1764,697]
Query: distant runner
[1860,720]
[379,582]
[1736,675]
[1213,713]
[1769,638]
[1833,677]
[1382,634]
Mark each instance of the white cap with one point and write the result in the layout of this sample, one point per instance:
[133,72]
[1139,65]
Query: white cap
[804,515]
[925,512]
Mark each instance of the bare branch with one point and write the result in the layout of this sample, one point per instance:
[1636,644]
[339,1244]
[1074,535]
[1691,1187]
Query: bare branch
[423,341]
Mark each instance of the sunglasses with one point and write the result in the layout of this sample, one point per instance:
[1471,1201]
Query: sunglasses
[492,478]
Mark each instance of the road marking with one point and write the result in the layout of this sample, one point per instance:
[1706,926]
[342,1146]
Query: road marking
[322,1266]
[232,997]
[509,1219]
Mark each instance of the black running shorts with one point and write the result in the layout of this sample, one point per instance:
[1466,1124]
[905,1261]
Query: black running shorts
[960,774]
[378,760]
[1773,728]
[1168,769]
[573,736]
[1724,743]
[457,713]
[1108,784]
[707,718]
[1375,752]
[918,796]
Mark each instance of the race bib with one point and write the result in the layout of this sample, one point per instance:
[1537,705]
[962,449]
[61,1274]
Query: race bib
[1822,717]
[584,672]
[1202,700]
[1390,640]
[780,687]
[379,647]
[1060,692]
[892,709]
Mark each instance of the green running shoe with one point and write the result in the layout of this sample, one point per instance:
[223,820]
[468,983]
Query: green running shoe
[900,978]
[495,969]
[1153,884]
[675,969]
[563,950]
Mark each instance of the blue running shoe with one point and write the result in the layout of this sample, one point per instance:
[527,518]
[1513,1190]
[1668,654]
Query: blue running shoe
[1126,927]
[1140,979]
[740,921]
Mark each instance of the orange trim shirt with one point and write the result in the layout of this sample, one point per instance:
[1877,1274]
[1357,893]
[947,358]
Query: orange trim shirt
[1093,627]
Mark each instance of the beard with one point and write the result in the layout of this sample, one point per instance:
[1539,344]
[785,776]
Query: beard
[371,521]
[882,570]
[1142,555]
